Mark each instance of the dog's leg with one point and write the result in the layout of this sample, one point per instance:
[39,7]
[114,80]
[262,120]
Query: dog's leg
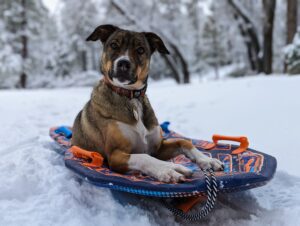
[161,170]
[172,148]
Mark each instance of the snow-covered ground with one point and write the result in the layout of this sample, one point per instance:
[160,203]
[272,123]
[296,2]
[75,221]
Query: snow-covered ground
[36,188]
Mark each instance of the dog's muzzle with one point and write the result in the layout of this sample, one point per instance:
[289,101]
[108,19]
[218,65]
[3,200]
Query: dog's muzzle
[123,71]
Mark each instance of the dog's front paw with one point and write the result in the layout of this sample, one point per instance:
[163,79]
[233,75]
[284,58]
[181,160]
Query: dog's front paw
[205,162]
[170,172]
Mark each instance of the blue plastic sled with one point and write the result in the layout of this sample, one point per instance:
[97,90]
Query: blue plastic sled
[244,169]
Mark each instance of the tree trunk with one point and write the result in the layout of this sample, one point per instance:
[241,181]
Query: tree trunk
[247,43]
[291,22]
[23,80]
[173,68]
[216,51]
[184,65]
[84,61]
[24,51]
[194,15]
[292,6]
[250,34]
[269,11]
[94,59]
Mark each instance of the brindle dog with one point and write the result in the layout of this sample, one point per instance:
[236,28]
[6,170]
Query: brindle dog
[119,122]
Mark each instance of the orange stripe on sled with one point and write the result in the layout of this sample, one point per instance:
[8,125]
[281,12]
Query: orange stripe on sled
[248,165]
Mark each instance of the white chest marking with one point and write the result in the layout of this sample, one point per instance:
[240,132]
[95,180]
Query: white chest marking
[142,140]
[138,114]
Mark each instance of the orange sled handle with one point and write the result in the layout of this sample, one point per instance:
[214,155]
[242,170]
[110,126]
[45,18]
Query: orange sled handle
[96,159]
[190,203]
[244,143]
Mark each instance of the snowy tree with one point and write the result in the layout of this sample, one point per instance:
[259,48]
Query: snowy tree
[291,22]
[217,46]
[259,42]
[24,38]
[10,61]
[292,54]
[78,20]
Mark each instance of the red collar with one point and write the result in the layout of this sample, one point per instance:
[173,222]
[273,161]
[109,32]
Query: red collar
[126,92]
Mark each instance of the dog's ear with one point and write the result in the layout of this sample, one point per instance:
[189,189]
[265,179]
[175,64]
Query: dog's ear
[156,43]
[102,33]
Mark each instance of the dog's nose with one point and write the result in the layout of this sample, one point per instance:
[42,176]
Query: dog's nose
[123,65]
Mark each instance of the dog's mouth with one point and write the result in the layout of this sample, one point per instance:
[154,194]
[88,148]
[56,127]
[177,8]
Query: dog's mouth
[122,78]
[122,73]
[128,78]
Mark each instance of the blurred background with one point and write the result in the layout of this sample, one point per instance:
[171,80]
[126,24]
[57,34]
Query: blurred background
[42,42]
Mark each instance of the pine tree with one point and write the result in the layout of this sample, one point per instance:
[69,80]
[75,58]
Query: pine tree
[292,54]
[23,25]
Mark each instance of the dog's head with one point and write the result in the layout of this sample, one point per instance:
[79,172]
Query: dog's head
[126,54]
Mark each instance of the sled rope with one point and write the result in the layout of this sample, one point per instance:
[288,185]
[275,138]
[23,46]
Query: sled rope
[211,185]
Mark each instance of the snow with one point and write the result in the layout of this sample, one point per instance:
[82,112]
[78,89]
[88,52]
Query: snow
[51,4]
[36,188]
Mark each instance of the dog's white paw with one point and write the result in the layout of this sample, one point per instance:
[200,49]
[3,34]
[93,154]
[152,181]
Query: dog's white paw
[208,163]
[161,170]
[205,162]
[170,172]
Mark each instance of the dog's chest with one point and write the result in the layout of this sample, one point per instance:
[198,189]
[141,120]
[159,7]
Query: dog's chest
[141,139]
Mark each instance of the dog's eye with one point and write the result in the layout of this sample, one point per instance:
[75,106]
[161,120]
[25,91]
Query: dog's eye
[114,45]
[140,50]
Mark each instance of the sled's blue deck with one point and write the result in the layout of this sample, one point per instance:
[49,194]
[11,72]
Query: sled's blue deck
[242,171]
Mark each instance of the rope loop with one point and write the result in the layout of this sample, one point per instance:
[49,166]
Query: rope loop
[212,190]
